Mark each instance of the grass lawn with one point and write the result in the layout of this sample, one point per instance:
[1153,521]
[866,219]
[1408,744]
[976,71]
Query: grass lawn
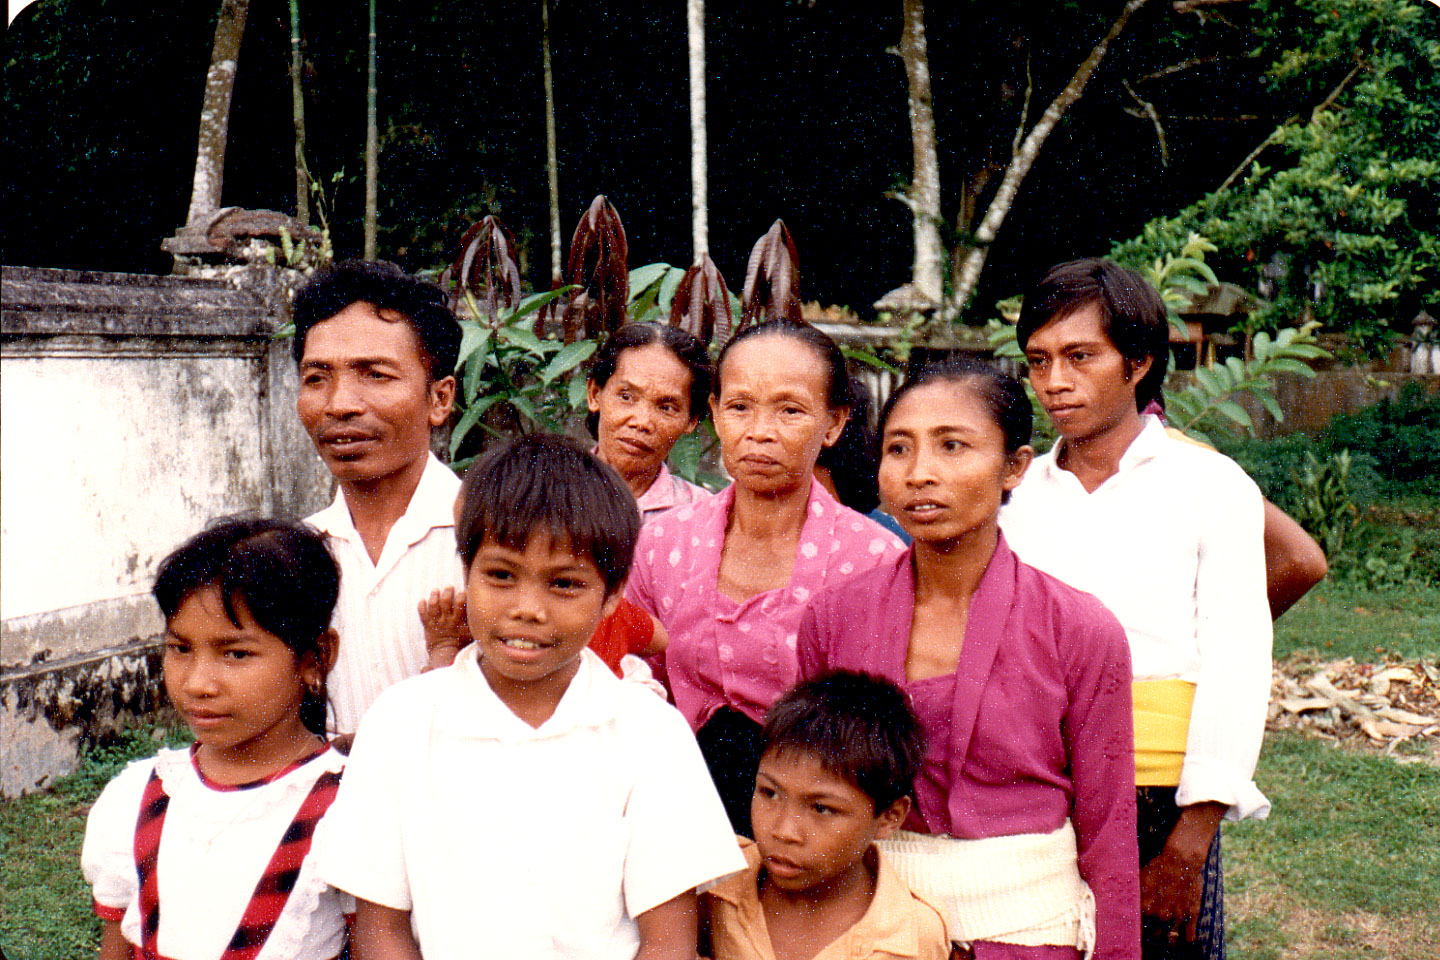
[1337,620]
[1347,866]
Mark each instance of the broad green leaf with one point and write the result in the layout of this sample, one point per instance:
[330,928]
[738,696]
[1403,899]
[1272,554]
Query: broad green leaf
[568,358]
[1210,381]
[642,278]
[472,416]
[667,291]
[1272,406]
[1235,412]
[472,335]
[1289,365]
[1236,366]
[521,337]
[868,358]
[1260,344]
[537,300]
[522,403]
[577,394]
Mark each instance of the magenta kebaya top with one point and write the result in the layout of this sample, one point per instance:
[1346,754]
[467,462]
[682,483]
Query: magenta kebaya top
[1038,725]
[723,652]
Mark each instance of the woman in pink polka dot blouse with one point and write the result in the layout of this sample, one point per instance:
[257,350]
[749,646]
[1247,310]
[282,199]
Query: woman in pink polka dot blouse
[730,577]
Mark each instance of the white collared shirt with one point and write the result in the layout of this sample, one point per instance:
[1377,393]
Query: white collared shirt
[506,840]
[1173,544]
[381,638]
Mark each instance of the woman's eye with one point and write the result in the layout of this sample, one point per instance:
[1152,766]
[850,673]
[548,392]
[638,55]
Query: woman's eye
[567,584]
[822,809]
[177,647]
[766,792]
[499,575]
[238,654]
[954,446]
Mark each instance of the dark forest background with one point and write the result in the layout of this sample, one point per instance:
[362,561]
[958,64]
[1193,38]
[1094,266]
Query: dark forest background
[807,122]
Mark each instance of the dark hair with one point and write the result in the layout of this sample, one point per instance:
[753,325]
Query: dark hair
[280,570]
[384,286]
[837,377]
[685,347]
[549,481]
[1132,314]
[852,460]
[859,726]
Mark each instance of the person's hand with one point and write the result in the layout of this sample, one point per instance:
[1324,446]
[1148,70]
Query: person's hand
[1171,885]
[446,629]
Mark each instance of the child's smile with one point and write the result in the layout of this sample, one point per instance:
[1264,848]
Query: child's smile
[532,612]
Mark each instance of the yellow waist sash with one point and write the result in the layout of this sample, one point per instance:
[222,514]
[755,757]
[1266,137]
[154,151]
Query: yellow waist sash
[1162,724]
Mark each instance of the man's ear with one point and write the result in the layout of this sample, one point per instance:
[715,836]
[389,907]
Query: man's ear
[1135,370]
[442,400]
[891,818]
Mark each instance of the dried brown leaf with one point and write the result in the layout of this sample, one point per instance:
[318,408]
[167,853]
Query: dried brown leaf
[772,279]
[701,305]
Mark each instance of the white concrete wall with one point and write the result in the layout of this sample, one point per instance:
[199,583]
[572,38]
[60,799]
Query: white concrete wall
[132,411]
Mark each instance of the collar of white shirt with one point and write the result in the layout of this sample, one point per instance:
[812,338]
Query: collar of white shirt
[1147,445]
[431,506]
[476,712]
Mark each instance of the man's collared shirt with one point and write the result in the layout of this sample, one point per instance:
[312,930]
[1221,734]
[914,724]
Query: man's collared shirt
[1173,544]
[381,639]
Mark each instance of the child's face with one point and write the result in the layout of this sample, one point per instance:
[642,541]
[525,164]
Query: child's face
[532,612]
[239,688]
[813,827]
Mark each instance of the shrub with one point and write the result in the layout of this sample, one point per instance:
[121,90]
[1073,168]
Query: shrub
[1401,436]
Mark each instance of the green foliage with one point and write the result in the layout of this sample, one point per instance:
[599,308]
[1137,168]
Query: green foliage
[1207,404]
[511,381]
[1402,436]
[1322,503]
[1180,279]
[44,902]
[1350,198]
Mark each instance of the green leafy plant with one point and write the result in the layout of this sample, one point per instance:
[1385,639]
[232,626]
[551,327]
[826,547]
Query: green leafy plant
[511,381]
[1181,278]
[1323,505]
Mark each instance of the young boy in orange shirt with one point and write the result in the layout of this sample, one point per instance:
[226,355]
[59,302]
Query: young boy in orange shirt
[840,756]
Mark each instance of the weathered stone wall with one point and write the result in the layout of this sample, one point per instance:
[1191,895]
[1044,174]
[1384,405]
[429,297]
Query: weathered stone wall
[132,411]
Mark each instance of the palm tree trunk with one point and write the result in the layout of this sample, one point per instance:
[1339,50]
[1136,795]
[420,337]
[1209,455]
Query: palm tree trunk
[372,149]
[297,104]
[695,33]
[552,163]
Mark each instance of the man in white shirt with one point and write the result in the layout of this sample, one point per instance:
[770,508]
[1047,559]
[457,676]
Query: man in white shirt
[377,350]
[1169,535]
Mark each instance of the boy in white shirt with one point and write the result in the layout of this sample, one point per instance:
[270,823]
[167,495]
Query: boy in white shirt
[1169,535]
[526,802]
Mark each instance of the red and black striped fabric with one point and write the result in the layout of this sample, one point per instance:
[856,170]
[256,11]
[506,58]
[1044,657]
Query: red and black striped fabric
[271,893]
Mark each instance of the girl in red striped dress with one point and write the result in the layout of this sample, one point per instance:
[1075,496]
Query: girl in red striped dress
[201,853]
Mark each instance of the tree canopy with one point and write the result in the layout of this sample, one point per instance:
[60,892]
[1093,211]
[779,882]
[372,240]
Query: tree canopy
[807,122]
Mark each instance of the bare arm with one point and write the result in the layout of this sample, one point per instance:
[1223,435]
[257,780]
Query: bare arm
[668,932]
[659,638]
[382,933]
[113,945]
[1294,562]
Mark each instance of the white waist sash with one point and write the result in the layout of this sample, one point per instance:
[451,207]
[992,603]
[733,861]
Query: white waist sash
[1024,889]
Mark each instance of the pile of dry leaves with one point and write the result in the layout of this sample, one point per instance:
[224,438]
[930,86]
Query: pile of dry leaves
[1376,706]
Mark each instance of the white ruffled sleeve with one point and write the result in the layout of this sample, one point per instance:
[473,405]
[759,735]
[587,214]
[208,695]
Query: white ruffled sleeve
[108,855]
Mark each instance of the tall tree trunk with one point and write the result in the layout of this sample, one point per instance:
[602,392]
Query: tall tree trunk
[699,204]
[552,163]
[923,197]
[215,114]
[1022,159]
[372,149]
[297,109]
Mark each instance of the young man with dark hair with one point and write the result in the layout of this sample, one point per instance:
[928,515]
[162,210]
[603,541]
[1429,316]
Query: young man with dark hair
[377,349]
[1169,535]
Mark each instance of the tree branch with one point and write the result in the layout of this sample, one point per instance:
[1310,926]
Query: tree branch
[1023,160]
[1274,137]
[1149,110]
[1187,6]
[1024,107]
